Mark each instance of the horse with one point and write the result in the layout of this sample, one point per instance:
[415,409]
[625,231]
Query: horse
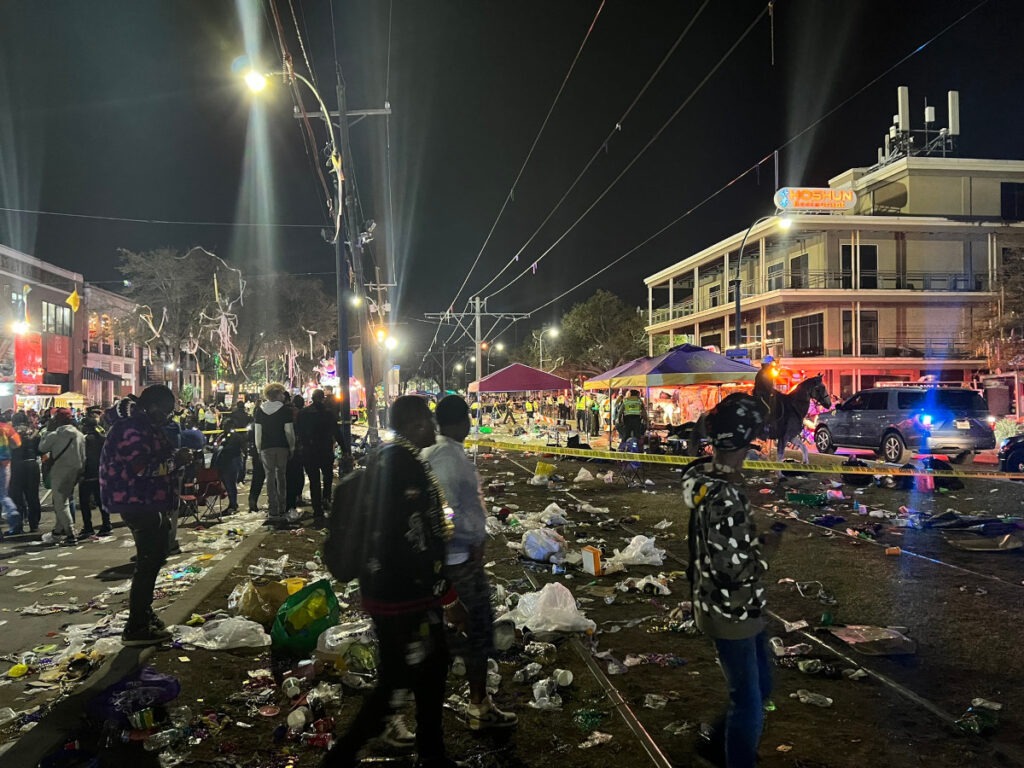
[786,413]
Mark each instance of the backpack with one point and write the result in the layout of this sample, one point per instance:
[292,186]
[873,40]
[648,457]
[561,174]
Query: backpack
[344,548]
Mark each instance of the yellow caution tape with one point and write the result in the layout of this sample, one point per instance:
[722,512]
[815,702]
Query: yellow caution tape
[759,466]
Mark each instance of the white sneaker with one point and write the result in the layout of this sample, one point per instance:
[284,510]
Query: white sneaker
[398,735]
[487,715]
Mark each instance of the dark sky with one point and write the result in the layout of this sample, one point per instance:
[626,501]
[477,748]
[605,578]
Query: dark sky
[130,109]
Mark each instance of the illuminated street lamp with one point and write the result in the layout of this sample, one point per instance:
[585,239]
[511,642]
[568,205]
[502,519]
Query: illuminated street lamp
[784,222]
[390,342]
[553,333]
[19,327]
[255,81]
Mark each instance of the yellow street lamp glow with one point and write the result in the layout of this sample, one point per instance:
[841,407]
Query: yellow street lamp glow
[553,332]
[355,301]
[499,346]
[391,342]
[381,335]
[19,327]
[255,81]
[458,366]
[785,222]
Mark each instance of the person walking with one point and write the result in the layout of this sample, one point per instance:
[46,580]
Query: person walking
[228,461]
[138,480]
[510,411]
[66,448]
[259,475]
[727,565]
[89,486]
[464,561]
[275,441]
[10,443]
[404,588]
[295,476]
[317,432]
[632,416]
[24,488]
[529,406]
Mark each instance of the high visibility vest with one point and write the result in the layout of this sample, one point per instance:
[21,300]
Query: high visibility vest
[561,399]
[594,405]
[433,405]
[580,404]
[529,406]
[632,406]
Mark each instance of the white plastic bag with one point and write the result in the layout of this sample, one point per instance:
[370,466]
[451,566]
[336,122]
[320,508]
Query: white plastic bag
[584,476]
[553,515]
[639,551]
[543,545]
[553,609]
[337,639]
[222,634]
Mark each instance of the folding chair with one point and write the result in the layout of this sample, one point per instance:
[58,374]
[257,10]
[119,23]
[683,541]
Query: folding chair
[202,497]
[631,472]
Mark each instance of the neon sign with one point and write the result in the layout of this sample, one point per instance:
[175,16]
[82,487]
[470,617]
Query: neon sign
[815,199]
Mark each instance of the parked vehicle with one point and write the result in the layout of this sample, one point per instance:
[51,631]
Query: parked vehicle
[898,422]
[1011,454]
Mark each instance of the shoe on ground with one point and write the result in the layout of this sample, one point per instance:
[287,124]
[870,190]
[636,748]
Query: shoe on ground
[157,624]
[230,510]
[104,530]
[16,532]
[319,522]
[68,541]
[486,715]
[397,734]
[34,529]
[175,549]
[85,533]
[147,635]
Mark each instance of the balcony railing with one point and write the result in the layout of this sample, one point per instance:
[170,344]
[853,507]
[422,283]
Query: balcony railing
[941,347]
[945,282]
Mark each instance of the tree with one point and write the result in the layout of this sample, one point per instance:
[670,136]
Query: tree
[595,336]
[1000,336]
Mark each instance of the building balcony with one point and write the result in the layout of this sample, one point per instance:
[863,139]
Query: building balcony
[910,347]
[875,281]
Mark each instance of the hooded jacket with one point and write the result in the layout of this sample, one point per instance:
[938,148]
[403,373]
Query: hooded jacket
[275,426]
[137,471]
[66,446]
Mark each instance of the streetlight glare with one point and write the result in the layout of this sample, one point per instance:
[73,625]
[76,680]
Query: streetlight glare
[19,327]
[458,366]
[391,342]
[785,222]
[553,332]
[499,346]
[355,301]
[255,81]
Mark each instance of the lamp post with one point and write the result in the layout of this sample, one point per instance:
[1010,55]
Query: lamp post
[553,333]
[784,223]
[257,82]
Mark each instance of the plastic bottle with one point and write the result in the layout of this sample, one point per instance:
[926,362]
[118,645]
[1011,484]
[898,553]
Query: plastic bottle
[298,718]
[162,740]
[807,697]
[810,666]
[6,715]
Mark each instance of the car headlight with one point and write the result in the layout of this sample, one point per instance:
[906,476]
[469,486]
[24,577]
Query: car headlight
[1004,443]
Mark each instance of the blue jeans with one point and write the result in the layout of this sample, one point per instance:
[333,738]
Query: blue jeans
[10,508]
[749,677]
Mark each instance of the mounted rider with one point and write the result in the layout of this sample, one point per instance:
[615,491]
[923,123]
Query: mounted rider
[764,389]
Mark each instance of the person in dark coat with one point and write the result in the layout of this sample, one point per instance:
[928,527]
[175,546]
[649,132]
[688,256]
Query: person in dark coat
[294,475]
[317,431]
[89,485]
[25,471]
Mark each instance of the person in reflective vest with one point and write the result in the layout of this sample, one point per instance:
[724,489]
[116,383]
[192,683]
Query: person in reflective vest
[581,412]
[529,406]
[595,416]
[633,416]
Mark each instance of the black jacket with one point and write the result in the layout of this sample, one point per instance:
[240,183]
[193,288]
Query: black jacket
[93,448]
[403,571]
[316,431]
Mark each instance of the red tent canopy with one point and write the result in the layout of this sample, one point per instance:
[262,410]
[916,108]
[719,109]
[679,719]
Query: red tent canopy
[519,378]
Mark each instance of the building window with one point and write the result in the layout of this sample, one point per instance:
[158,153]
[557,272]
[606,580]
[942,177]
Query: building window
[56,319]
[128,368]
[776,278]
[808,335]
[715,295]
[1012,199]
[798,272]
[105,365]
[116,368]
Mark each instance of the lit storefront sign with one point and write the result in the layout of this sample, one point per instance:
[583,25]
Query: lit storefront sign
[815,199]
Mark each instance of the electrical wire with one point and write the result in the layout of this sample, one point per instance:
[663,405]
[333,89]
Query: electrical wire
[767,157]
[601,147]
[639,154]
[130,220]
[511,192]
[392,235]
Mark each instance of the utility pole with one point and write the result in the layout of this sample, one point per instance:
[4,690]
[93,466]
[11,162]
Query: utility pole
[479,312]
[444,372]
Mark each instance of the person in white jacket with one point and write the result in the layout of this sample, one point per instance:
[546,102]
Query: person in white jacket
[66,447]
[275,441]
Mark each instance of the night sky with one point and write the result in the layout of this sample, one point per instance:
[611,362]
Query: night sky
[130,109]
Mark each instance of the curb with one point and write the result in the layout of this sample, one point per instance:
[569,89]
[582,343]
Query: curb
[59,725]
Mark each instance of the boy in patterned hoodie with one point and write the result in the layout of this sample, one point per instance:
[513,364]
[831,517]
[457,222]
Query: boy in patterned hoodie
[726,566]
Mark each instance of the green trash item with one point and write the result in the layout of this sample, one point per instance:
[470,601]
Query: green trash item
[303,617]
[486,430]
[807,499]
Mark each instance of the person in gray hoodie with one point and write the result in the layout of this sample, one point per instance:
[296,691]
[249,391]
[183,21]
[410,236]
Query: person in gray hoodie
[66,447]
[275,441]
[465,557]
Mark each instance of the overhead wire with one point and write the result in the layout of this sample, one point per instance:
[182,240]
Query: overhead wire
[813,124]
[391,234]
[602,146]
[639,154]
[131,220]
[511,193]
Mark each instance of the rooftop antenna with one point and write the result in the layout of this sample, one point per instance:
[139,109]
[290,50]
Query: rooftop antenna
[900,140]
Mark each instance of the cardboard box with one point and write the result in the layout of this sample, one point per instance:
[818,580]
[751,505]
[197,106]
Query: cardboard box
[592,560]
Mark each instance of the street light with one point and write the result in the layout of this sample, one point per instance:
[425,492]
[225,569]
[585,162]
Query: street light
[784,222]
[19,327]
[258,82]
[488,348]
[553,333]
[390,342]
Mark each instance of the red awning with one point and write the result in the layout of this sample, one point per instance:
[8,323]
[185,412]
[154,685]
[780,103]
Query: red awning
[519,378]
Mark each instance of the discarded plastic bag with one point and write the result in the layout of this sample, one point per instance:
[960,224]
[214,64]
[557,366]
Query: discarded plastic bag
[142,689]
[639,551]
[304,616]
[336,641]
[543,545]
[553,515]
[553,609]
[584,476]
[875,641]
[223,634]
[245,600]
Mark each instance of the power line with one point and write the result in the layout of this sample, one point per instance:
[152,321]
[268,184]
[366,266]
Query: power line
[602,147]
[130,220]
[639,154]
[764,159]
[511,192]
[392,235]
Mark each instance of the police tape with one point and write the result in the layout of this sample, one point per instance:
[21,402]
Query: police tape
[758,466]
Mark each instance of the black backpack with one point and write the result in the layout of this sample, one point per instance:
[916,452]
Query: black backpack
[344,548]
